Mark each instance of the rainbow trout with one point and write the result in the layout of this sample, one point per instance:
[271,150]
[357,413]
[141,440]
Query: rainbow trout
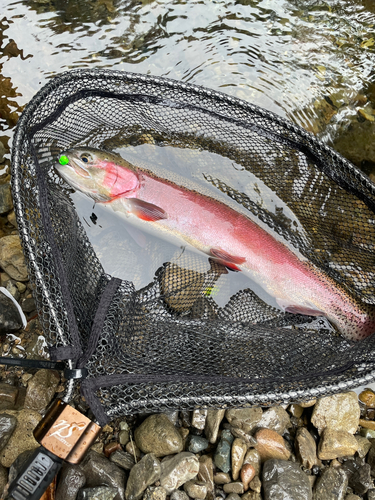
[219,231]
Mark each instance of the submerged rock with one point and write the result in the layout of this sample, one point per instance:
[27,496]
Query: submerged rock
[72,478]
[331,485]
[177,470]
[143,474]
[99,471]
[41,388]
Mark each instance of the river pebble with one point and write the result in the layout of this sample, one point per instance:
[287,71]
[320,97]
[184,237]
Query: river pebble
[340,412]
[256,484]
[238,452]
[8,396]
[179,495]
[12,260]
[252,457]
[10,319]
[196,444]
[331,485]
[305,448]
[246,419]
[142,474]
[234,487]
[7,425]
[155,493]
[196,489]
[99,471]
[271,445]
[22,438]
[123,459]
[360,481]
[275,418]
[247,474]
[283,480]
[198,419]
[213,420]
[336,443]
[178,470]
[206,472]
[72,478]
[6,202]
[98,493]
[159,436]
[222,457]
[40,389]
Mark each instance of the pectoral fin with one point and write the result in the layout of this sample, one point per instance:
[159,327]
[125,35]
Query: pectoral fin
[297,309]
[226,259]
[146,211]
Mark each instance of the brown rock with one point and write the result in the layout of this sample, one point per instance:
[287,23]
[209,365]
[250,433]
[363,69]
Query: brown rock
[247,474]
[296,410]
[336,443]
[367,397]
[308,403]
[41,388]
[110,447]
[364,446]
[251,495]
[8,395]
[339,412]
[238,452]
[305,448]
[271,445]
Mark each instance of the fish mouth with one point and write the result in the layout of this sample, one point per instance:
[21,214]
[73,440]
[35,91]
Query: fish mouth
[75,164]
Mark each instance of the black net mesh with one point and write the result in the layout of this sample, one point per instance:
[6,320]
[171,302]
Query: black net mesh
[171,343]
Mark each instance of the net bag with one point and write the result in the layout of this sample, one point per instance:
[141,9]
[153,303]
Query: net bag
[170,344]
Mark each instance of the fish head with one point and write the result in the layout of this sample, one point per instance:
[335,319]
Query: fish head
[99,174]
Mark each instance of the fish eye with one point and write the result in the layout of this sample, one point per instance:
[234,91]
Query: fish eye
[86,158]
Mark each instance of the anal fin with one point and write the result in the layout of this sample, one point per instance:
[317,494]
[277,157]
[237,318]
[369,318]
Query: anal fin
[226,259]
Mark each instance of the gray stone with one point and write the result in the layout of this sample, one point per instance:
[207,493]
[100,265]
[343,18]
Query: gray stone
[159,436]
[246,419]
[213,420]
[283,480]
[98,493]
[371,494]
[305,448]
[360,481]
[177,470]
[123,459]
[143,474]
[6,202]
[155,493]
[196,489]
[7,425]
[41,388]
[197,444]
[12,259]
[28,305]
[198,419]
[10,319]
[123,437]
[331,485]
[72,478]
[235,487]
[179,495]
[172,415]
[339,412]
[17,465]
[275,418]
[99,471]
[223,451]
[22,438]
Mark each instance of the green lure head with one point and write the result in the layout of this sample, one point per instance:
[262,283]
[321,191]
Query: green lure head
[63,160]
